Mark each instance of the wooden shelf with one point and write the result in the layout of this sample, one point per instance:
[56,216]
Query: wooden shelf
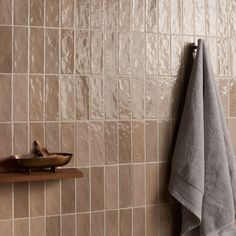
[61,173]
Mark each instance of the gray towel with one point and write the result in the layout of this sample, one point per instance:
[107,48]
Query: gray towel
[203,175]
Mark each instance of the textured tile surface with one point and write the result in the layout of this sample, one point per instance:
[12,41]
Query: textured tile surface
[104,80]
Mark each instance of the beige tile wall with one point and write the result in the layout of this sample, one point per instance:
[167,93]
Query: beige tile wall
[103,79]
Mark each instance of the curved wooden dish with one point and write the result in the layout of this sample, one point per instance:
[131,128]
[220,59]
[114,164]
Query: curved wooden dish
[34,161]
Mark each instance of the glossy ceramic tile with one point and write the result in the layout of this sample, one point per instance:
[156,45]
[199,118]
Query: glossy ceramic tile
[52,13]
[5,49]
[20,51]
[5,97]
[52,51]
[104,80]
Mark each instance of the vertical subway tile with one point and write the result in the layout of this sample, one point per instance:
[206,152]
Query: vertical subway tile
[97,223]
[82,14]
[67,139]
[52,136]
[125,186]
[97,143]
[67,196]
[232,18]
[5,49]
[232,100]
[232,131]
[67,13]
[83,192]
[51,97]
[110,15]
[52,197]
[176,16]
[6,197]
[137,141]
[111,53]
[5,139]
[151,16]
[176,92]
[111,223]
[222,57]
[138,185]
[164,173]
[222,18]
[20,50]
[37,12]
[52,13]
[21,203]
[124,96]
[164,16]
[165,220]
[152,221]
[164,140]
[232,57]
[37,199]
[152,184]
[124,129]
[36,97]
[211,12]
[6,227]
[82,98]
[152,141]
[36,50]
[67,51]
[200,17]
[138,98]
[125,222]
[96,14]
[176,55]
[5,12]
[20,146]
[224,92]
[51,51]
[151,54]
[5,97]
[82,52]
[96,97]
[110,97]
[138,15]
[138,53]
[164,102]
[53,225]
[68,225]
[110,142]
[37,226]
[97,188]
[124,53]
[124,15]
[164,55]
[21,227]
[21,12]
[67,90]
[151,95]
[139,221]
[111,187]
[83,224]
[97,52]
[36,132]
[188,17]
[82,144]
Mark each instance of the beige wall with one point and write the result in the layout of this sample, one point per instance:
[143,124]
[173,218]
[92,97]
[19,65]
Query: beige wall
[102,79]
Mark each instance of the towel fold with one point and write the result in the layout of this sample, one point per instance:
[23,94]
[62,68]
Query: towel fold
[203,174]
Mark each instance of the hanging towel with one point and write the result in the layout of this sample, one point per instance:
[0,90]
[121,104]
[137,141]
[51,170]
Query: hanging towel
[203,174]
